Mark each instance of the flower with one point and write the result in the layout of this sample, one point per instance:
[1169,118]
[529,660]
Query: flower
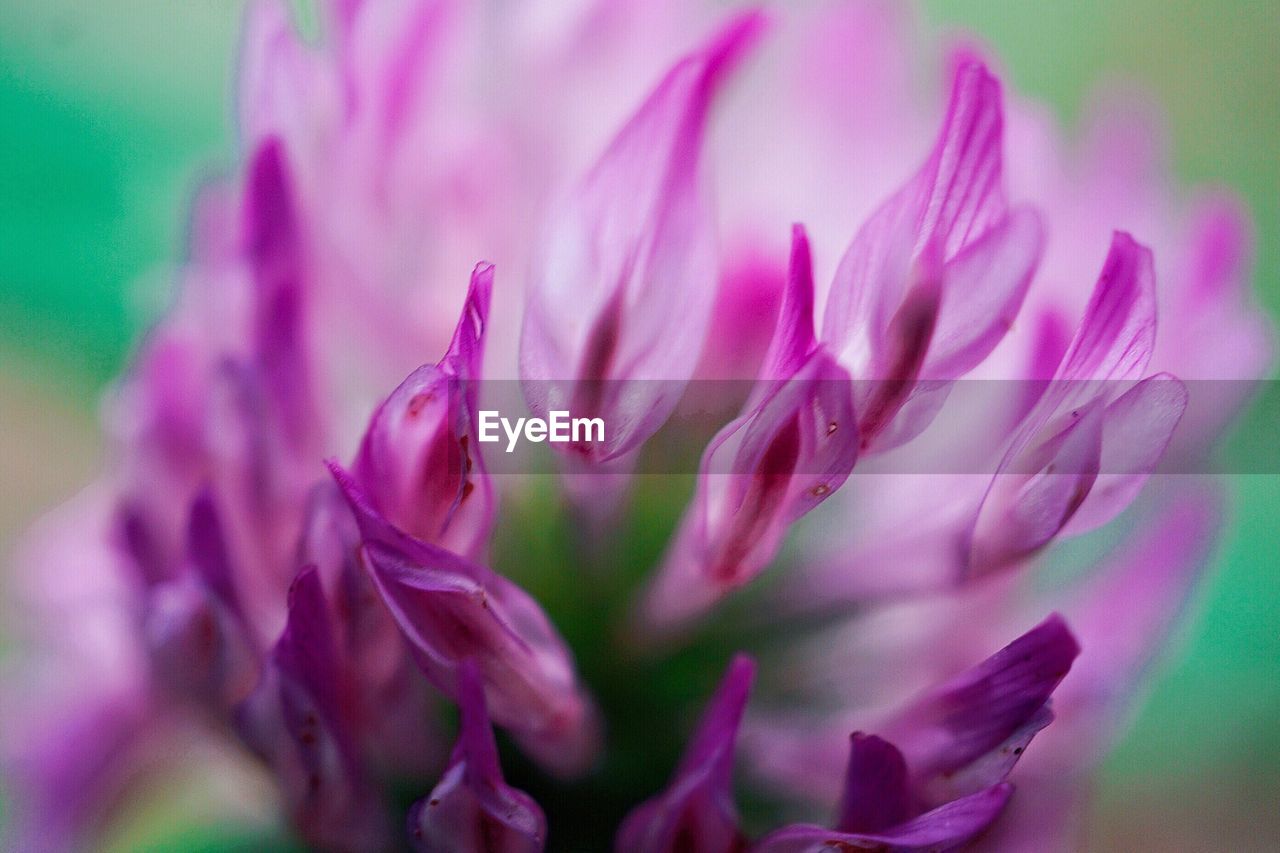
[228,580]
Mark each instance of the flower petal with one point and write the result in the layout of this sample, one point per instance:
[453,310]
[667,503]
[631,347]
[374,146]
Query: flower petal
[961,721]
[944,828]
[876,795]
[273,245]
[451,610]
[419,461]
[931,281]
[622,288]
[472,808]
[985,287]
[793,447]
[696,811]
[299,720]
[1032,497]
[1118,331]
[1136,430]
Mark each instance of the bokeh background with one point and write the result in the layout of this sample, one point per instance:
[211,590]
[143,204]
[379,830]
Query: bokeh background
[111,111]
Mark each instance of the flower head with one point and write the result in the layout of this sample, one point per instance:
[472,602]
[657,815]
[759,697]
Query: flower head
[228,580]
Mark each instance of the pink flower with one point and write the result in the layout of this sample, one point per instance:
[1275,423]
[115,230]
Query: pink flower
[869,526]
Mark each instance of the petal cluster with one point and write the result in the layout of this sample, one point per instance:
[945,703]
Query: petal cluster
[300,555]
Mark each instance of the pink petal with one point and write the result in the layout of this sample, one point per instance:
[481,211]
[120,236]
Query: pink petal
[622,287]
[794,446]
[1035,494]
[472,809]
[419,460]
[946,827]
[697,810]
[451,609]
[954,198]
[971,715]
[299,720]
[1136,429]
[1117,334]
[933,279]
[985,287]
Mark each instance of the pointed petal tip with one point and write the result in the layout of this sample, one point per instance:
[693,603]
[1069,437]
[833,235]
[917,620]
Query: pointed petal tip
[742,671]
[303,587]
[735,39]
[1055,629]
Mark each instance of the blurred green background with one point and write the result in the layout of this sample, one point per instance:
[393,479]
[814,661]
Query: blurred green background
[110,112]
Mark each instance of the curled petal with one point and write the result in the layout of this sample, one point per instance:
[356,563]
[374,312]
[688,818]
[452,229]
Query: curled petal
[472,809]
[931,282]
[1137,428]
[299,720]
[697,812]
[1119,326]
[876,794]
[451,610]
[622,287]
[944,828]
[1086,431]
[419,461]
[793,447]
[961,721]
[1022,512]
[953,199]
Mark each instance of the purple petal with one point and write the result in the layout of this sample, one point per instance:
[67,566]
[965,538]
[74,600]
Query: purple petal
[931,281]
[207,548]
[1118,331]
[620,288]
[697,812]
[793,447]
[397,703]
[944,828]
[299,719]
[875,795]
[451,610]
[961,721]
[201,644]
[1033,496]
[419,460]
[472,808]
[1136,430]
[273,244]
